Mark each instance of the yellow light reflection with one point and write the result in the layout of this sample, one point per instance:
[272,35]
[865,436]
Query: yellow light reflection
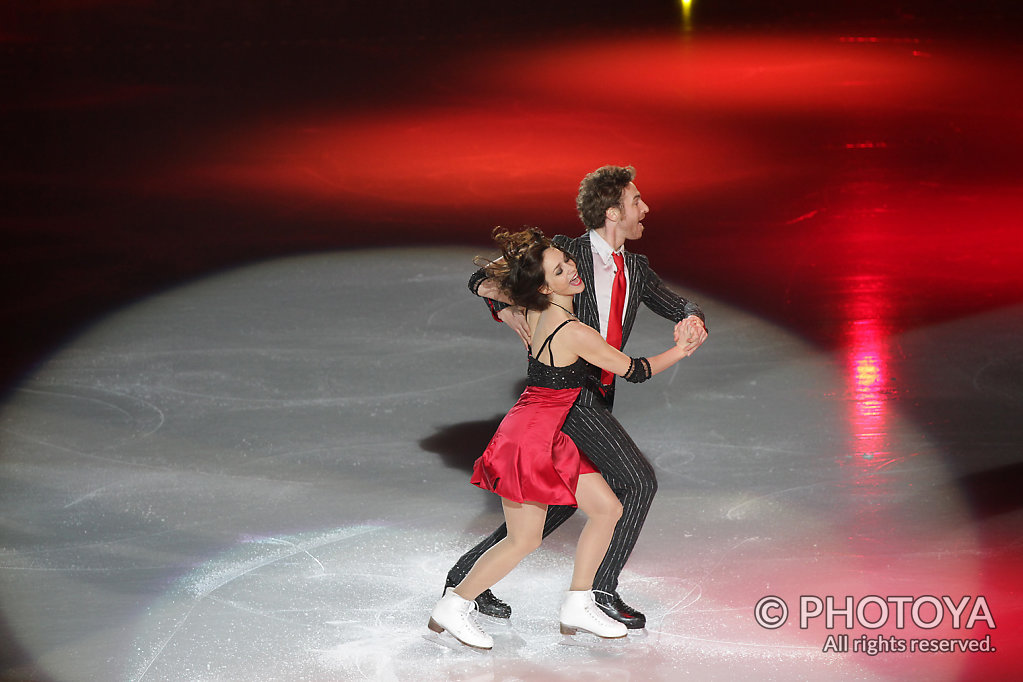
[687,14]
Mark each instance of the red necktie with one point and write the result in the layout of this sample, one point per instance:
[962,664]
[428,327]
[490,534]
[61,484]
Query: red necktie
[614,320]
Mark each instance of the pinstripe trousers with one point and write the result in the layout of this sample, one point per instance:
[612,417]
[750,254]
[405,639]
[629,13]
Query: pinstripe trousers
[598,434]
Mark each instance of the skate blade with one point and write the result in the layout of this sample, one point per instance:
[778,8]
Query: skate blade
[577,637]
[439,635]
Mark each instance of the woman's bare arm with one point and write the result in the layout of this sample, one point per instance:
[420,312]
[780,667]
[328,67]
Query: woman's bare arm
[588,344]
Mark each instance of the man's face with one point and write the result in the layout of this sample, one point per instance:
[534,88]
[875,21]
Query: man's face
[633,211]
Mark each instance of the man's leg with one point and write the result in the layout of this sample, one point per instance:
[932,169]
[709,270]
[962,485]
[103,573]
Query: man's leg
[597,433]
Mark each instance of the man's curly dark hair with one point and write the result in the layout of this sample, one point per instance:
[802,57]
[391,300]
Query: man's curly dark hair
[599,191]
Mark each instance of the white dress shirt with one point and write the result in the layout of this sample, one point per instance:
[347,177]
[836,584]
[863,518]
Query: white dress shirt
[604,272]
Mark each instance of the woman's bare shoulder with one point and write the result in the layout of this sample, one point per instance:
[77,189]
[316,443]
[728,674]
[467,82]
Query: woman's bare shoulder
[580,333]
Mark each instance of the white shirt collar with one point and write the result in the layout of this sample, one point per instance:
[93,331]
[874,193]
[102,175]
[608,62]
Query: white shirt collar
[602,248]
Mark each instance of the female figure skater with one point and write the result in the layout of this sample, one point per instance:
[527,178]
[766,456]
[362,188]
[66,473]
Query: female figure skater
[529,462]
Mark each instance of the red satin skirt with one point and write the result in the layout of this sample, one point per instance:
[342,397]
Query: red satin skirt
[529,458]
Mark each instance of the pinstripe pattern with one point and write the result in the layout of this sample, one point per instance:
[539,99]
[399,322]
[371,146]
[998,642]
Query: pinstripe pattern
[592,426]
[627,472]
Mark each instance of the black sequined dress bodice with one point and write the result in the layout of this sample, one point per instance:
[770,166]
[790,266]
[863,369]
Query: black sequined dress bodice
[545,376]
[548,376]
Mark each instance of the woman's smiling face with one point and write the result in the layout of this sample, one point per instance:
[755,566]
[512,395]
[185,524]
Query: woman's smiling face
[560,273]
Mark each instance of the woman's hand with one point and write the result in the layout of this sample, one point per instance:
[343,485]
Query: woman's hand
[488,289]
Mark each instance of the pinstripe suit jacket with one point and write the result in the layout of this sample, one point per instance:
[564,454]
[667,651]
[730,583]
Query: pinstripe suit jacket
[645,287]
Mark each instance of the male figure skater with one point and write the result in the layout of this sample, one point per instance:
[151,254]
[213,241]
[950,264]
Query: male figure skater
[617,281]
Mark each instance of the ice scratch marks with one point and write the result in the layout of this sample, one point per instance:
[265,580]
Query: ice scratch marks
[228,571]
[771,648]
[694,588]
[79,453]
[738,511]
[148,664]
[136,417]
[251,610]
[371,657]
[67,557]
[690,597]
[87,496]
[303,550]
[199,586]
[242,402]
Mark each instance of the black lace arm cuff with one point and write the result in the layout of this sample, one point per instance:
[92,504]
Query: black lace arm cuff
[474,286]
[639,371]
[495,307]
[477,279]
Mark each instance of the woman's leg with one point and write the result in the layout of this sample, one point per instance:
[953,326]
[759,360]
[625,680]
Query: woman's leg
[602,510]
[579,610]
[525,531]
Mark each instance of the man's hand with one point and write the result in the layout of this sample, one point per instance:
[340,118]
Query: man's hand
[515,317]
[690,333]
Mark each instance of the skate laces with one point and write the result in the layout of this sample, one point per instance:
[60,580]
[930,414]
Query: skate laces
[473,606]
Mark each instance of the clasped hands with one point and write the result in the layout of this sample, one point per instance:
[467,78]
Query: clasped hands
[690,333]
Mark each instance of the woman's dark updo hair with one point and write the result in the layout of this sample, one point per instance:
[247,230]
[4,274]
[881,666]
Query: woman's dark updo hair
[520,272]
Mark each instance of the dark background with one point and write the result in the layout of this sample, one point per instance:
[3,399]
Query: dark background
[85,106]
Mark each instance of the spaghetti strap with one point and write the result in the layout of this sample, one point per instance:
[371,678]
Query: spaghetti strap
[547,341]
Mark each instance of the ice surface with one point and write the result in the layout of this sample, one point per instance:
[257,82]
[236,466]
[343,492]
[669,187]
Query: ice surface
[264,476]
